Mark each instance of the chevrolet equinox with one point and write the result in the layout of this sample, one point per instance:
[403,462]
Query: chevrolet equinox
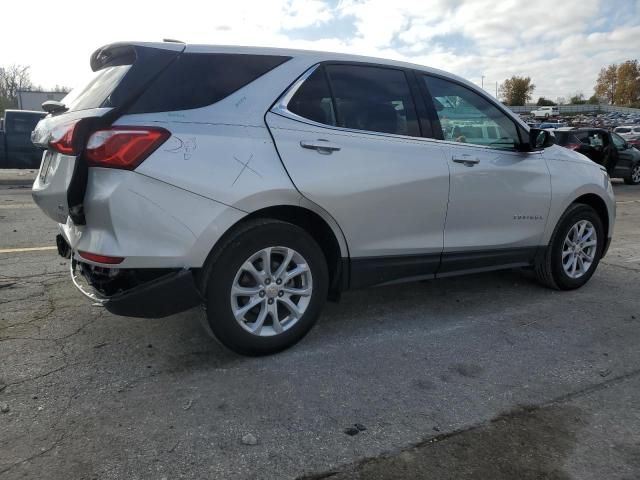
[260,182]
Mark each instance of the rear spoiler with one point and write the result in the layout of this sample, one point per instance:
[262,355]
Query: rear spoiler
[126,53]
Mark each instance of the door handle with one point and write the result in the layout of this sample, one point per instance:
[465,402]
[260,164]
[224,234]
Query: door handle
[466,160]
[321,146]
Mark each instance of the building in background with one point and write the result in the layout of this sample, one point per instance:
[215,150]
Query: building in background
[33,99]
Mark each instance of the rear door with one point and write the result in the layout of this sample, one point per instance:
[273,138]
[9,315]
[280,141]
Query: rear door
[350,138]
[121,72]
[499,196]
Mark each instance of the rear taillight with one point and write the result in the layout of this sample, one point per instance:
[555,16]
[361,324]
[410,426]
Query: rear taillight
[94,257]
[62,139]
[123,147]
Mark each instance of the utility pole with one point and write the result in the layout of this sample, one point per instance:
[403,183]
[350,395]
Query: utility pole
[482,81]
[496,90]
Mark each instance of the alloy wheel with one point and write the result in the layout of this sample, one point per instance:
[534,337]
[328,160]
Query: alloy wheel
[579,249]
[271,291]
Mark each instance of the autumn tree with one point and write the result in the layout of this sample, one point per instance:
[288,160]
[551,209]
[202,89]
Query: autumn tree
[607,82]
[628,83]
[516,90]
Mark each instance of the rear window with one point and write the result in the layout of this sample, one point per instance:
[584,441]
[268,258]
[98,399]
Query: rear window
[196,80]
[22,123]
[95,93]
[622,130]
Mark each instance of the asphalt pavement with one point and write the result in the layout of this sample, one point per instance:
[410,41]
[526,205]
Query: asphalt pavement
[485,376]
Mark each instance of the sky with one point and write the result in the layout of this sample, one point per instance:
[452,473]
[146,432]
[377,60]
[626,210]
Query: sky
[560,44]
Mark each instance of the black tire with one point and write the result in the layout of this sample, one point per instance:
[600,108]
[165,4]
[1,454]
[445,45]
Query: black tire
[220,271]
[629,178]
[549,270]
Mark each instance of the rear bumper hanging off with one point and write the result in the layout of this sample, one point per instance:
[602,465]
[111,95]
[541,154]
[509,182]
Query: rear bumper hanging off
[163,296]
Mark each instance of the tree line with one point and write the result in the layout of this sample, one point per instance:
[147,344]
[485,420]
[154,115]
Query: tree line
[617,84]
[13,79]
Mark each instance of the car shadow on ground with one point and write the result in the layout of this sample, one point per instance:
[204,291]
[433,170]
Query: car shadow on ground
[358,317]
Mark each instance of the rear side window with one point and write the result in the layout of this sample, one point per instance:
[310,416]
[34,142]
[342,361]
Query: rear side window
[313,99]
[196,80]
[376,99]
[566,138]
[95,93]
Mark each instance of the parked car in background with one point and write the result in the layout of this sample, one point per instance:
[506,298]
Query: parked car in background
[631,133]
[260,182]
[604,148]
[545,112]
[16,148]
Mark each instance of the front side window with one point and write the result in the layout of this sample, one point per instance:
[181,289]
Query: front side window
[375,99]
[467,117]
[618,141]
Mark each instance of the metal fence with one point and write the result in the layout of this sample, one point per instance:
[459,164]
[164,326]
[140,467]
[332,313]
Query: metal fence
[578,109]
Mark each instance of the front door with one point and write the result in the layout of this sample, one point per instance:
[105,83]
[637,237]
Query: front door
[358,155]
[500,197]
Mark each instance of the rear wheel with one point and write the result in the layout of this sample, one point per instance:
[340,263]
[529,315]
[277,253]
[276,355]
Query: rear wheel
[634,176]
[574,250]
[266,287]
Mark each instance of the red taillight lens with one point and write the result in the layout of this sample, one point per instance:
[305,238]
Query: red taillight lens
[123,147]
[61,139]
[94,257]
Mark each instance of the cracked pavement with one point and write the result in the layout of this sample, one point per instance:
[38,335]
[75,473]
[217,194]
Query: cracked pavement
[486,376]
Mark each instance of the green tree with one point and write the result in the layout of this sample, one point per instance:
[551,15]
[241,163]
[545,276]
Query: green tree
[545,102]
[593,100]
[577,99]
[516,90]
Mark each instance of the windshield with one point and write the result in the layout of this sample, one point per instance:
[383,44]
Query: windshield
[622,130]
[95,93]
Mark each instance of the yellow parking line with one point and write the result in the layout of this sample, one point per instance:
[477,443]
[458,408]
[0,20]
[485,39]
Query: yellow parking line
[26,249]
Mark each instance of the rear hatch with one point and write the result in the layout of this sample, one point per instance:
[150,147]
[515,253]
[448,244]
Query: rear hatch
[121,72]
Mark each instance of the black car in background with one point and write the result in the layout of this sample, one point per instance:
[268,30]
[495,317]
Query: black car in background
[605,148]
[16,149]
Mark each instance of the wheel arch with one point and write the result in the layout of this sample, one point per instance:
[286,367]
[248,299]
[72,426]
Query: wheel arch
[328,235]
[598,204]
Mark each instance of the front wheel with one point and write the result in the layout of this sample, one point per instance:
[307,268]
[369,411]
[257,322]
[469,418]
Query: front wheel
[265,287]
[634,176]
[574,250]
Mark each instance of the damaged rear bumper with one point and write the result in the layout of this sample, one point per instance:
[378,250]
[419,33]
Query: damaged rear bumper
[165,295]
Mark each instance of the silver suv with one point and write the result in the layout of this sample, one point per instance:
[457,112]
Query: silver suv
[260,182]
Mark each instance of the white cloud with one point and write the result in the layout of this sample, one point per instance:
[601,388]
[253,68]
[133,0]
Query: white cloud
[561,44]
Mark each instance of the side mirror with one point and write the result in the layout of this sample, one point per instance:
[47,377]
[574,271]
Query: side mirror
[539,139]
